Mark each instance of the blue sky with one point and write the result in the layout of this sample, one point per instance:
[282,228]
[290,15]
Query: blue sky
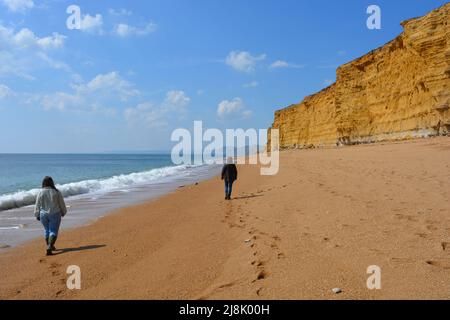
[136,70]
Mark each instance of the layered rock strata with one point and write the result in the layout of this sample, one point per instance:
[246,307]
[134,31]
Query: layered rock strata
[398,91]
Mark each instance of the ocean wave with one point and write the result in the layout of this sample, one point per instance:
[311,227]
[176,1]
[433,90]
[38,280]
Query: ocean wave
[95,186]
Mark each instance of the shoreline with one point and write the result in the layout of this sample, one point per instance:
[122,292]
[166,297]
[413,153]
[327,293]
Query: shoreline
[85,209]
[317,225]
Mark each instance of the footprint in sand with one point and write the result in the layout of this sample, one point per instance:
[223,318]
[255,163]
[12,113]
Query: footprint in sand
[422,235]
[431,227]
[306,234]
[407,217]
[445,245]
[235,225]
[259,263]
[281,255]
[262,275]
[400,261]
[443,264]
[55,273]
[259,291]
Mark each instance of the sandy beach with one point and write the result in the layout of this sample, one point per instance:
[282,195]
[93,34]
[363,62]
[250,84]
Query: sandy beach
[317,225]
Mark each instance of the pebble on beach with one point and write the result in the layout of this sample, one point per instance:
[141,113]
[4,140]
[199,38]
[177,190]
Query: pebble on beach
[336,290]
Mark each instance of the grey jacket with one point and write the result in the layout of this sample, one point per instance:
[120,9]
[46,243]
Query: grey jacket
[50,201]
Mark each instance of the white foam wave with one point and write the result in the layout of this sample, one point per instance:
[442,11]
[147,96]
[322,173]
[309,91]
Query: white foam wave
[10,228]
[95,186]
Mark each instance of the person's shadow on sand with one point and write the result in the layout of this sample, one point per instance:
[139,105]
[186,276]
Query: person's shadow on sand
[83,248]
[247,197]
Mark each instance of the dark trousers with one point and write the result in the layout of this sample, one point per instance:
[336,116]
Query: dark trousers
[228,188]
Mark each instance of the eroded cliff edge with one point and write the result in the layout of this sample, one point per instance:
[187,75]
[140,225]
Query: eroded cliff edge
[399,91]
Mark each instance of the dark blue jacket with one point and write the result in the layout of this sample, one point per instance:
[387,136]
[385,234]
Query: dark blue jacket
[229,172]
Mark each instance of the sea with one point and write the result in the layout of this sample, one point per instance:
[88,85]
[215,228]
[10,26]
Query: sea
[92,185]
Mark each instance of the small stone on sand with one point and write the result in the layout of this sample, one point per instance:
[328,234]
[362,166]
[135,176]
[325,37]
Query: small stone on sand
[336,290]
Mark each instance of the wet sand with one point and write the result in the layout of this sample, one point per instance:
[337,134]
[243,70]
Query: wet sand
[19,225]
[317,225]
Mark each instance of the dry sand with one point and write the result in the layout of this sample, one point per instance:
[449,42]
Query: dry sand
[317,225]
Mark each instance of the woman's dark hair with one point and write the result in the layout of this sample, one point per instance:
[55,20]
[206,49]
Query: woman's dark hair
[48,183]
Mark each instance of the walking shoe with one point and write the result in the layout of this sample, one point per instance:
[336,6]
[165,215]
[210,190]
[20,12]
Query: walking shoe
[51,243]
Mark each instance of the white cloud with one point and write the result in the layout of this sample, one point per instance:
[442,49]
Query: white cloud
[18,5]
[252,84]
[283,64]
[120,12]
[177,98]
[52,63]
[5,91]
[11,64]
[97,95]
[52,42]
[61,101]
[23,51]
[152,115]
[125,30]
[243,61]
[145,112]
[109,83]
[232,109]
[176,103]
[92,24]
[25,38]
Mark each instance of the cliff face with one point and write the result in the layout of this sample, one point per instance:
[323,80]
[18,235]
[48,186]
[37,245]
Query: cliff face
[399,91]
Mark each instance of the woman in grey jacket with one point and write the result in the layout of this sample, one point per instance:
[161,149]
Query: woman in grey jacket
[49,210]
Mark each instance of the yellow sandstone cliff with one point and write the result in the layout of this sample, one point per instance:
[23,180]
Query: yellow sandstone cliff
[399,91]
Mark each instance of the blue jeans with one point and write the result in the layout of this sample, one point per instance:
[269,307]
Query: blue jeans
[228,188]
[51,223]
